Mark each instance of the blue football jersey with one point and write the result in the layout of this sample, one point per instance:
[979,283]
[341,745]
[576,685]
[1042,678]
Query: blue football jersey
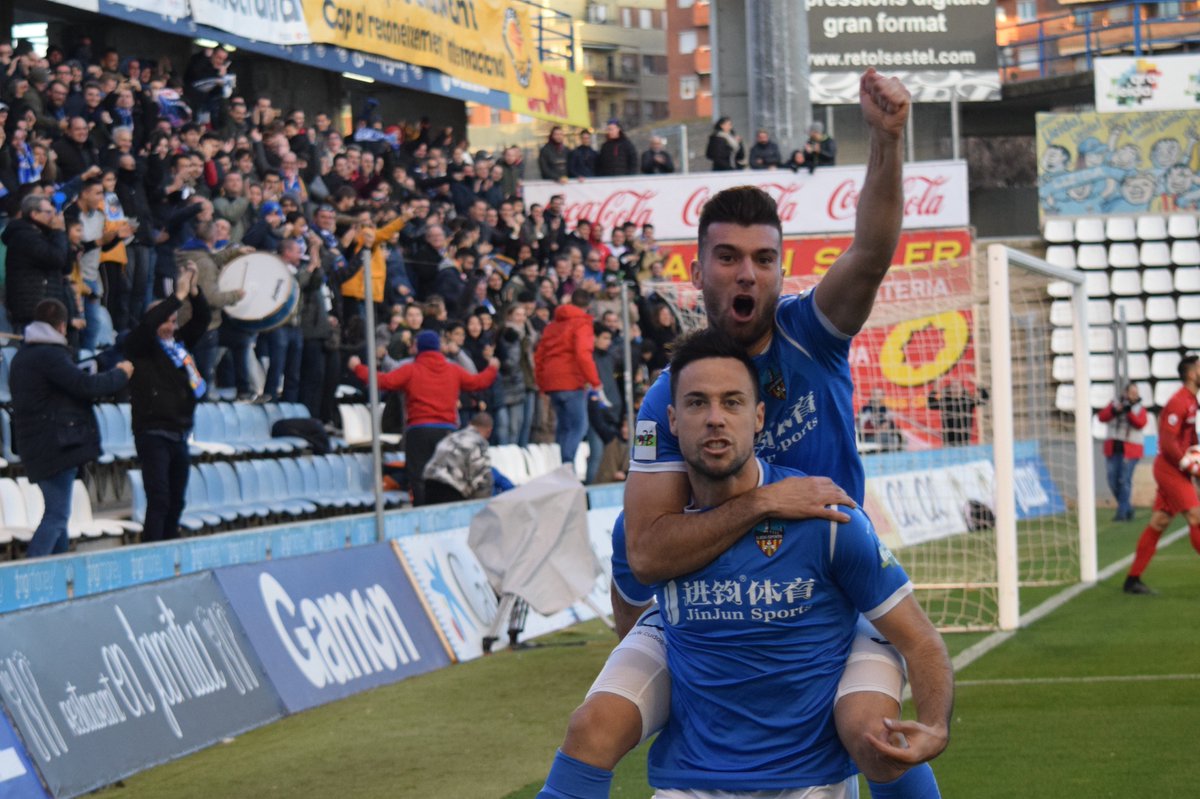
[806,388]
[632,591]
[756,643]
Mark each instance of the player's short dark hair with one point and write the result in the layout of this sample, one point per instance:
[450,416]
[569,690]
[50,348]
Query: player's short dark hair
[740,205]
[1185,365]
[50,311]
[581,298]
[708,342]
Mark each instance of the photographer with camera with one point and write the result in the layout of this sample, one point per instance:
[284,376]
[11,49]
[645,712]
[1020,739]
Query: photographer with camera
[1125,417]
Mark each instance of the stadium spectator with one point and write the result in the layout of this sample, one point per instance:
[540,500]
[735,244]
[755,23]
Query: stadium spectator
[565,371]
[200,250]
[819,150]
[617,154]
[164,391]
[1125,418]
[514,351]
[876,427]
[725,149]
[656,160]
[957,406]
[604,403]
[461,468]
[54,429]
[582,161]
[75,153]
[37,259]
[552,158]
[764,153]
[432,386]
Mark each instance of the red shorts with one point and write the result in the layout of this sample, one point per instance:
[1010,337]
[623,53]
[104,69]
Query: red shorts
[1176,494]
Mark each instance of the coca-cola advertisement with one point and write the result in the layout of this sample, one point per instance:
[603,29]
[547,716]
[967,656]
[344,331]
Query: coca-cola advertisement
[935,196]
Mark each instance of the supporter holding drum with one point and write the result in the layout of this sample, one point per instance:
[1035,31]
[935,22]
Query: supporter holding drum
[164,392]
[53,424]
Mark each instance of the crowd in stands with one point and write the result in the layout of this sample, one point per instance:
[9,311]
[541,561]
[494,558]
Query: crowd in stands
[118,173]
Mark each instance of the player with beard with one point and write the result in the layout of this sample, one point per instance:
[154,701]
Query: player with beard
[800,346]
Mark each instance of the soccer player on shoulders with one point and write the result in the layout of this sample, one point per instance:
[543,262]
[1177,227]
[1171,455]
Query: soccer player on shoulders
[800,346]
[1175,468]
[757,639]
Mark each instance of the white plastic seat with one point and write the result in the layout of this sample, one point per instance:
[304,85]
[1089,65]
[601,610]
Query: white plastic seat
[1123,255]
[1135,310]
[1161,309]
[1092,256]
[1061,314]
[1120,228]
[1187,280]
[1126,284]
[1185,252]
[1183,226]
[1189,307]
[1151,228]
[1097,284]
[16,522]
[1100,339]
[1164,365]
[1062,340]
[1164,337]
[1154,253]
[1157,281]
[1101,394]
[1135,338]
[1059,231]
[1061,255]
[1138,366]
[1164,389]
[1059,289]
[1063,368]
[1089,230]
[1189,335]
[1100,367]
[1064,397]
[1099,312]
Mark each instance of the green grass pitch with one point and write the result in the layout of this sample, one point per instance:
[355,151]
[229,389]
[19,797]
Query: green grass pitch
[1099,699]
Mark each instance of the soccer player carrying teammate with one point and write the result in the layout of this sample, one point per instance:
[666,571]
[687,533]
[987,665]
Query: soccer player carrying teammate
[1174,470]
[757,639]
[808,424]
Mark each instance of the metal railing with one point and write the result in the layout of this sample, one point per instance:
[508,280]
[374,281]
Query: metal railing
[1069,42]
[555,33]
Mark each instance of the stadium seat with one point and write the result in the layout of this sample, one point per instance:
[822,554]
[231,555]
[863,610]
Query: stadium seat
[1120,228]
[1154,254]
[1092,256]
[1062,341]
[35,507]
[1134,308]
[15,519]
[1164,389]
[1151,228]
[1126,284]
[353,429]
[89,526]
[1097,284]
[1089,230]
[1157,281]
[1189,335]
[275,487]
[340,466]
[1185,253]
[137,496]
[1135,338]
[1100,367]
[252,422]
[1189,307]
[196,515]
[1059,231]
[1123,256]
[1161,309]
[1164,365]
[1137,366]
[1187,280]
[1061,255]
[6,449]
[218,503]
[1063,368]
[1101,394]
[231,490]
[1059,289]
[1064,397]
[581,456]
[6,356]
[325,480]
[1100,339]
[1183,226]
[106,435]
[1099,312]
[1061,313]
[1164,337]
[208,431]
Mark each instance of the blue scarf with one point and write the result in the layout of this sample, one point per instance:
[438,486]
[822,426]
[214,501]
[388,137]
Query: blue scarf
[27,169]
[182,358]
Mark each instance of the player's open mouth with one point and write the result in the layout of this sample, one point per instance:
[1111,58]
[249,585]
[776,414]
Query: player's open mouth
[716,446]
[743,307]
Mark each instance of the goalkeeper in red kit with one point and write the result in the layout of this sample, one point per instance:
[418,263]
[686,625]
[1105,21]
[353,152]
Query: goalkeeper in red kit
[1174,469]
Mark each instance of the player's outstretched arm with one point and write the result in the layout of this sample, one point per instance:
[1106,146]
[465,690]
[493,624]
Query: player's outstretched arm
[847,293]
[662,542]
[932,679]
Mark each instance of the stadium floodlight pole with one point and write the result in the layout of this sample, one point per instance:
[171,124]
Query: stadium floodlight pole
[627,349]
[373,403]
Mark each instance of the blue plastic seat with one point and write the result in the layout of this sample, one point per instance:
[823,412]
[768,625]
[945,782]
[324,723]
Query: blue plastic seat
[215,488]
[235,496]
[341,467]
[273,484]
[329,488]
[196,514]
[137,496]
[6,356]
[106,436]
[6,434]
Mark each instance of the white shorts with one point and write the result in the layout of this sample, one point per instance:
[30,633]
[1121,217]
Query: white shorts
[847,789]
[637,670]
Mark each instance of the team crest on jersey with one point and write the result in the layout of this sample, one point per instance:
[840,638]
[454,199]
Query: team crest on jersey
[886,557]
[772,381]
[645,441]
[769,536]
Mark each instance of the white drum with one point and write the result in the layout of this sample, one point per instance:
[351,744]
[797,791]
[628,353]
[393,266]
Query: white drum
[272,292]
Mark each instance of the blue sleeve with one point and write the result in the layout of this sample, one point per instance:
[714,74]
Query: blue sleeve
[802,323]
[866,569]
[627,585]
[655,448]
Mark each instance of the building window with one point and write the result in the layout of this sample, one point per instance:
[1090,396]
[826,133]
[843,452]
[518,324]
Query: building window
[597,13]
[626,18]
[645,18]
[685,3]
[1028,57]
[1169,9]
[654,64]
[687,87]
[1026,9]
[687,42]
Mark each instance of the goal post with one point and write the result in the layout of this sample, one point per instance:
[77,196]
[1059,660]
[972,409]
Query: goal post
[973,415]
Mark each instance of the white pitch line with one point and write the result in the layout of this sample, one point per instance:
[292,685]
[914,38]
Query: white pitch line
[975,652]
[1078,680]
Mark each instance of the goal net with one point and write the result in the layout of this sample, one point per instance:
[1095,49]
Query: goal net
[975,440]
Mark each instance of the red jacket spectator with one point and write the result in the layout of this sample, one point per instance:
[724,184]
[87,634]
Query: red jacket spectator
[1125,422]
[563,359]
[432,384]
